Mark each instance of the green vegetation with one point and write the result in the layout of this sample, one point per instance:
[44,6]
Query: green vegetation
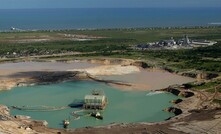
[151,35]
[200,58]
[217,101]
[118,43]
[209,85]
[39,48]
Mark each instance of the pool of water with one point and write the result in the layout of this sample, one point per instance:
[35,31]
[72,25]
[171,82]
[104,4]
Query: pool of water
[123,106]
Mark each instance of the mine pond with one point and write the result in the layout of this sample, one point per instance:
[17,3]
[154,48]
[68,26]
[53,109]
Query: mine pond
[124,106]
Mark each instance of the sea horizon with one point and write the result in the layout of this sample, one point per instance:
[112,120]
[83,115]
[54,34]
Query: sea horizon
[112,8]
[108,18]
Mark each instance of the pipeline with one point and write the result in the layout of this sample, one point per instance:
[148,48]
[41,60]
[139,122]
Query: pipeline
[41,108]
[107,81]
[76,115]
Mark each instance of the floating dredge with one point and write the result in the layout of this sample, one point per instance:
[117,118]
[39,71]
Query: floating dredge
[97,100]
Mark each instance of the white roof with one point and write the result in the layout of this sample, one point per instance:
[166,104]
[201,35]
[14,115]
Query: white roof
[98,97]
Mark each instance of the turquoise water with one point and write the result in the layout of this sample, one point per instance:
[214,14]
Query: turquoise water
[123,106]
[107,18]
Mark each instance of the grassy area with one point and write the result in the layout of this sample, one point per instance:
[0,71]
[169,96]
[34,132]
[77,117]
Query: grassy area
[217,101]
[117,43]
[140,35]
[208,86]
[200,58]
[149,35]
[205,59]
[42,48]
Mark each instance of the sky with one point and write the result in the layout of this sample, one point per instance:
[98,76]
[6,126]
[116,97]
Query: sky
[17,4]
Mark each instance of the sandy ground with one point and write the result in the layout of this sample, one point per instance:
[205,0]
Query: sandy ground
[137,78]
[150,79]
[134,77]
[12,68]
[109,70]
[205,122]
[13,73]
[15,38]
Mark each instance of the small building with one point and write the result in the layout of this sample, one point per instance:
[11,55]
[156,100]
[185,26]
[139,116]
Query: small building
[167,43]
[186,41]
[95,101]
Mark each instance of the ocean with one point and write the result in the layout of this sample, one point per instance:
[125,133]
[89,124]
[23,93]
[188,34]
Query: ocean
[99,18]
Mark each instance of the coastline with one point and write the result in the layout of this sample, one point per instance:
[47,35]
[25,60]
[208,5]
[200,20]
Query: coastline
[100,13]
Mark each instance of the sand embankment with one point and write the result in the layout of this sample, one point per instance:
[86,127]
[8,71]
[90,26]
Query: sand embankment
[109,70]
[123,74]
[135,77]
[20,124]
[26,73]
[91,73]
